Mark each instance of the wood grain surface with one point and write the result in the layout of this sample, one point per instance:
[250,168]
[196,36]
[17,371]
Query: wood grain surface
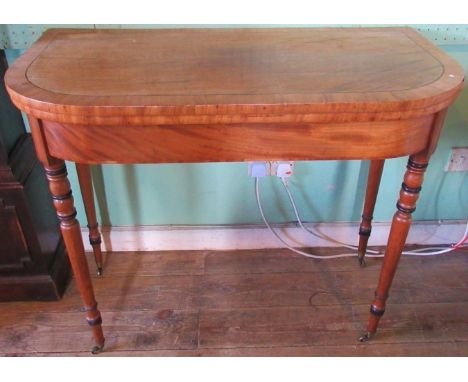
[130,76]
[250,303]
[236,142]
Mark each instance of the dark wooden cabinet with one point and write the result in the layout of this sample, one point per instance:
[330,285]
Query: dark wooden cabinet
[33,261]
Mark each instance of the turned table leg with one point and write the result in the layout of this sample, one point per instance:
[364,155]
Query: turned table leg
[59,185]
[373,182]
[406,205]
[86,185]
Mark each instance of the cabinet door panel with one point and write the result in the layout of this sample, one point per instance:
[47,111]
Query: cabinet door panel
[13,246]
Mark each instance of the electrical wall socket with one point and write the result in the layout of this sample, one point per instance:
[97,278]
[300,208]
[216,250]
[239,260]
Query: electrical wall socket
[458,160]
[284,167]
[259,169]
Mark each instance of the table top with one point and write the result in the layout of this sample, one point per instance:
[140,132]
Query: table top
[107,76]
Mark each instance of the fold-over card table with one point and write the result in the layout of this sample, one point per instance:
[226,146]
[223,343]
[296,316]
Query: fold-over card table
[233,95]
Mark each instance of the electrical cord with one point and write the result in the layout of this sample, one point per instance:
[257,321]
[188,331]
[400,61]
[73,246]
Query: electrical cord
[323,257]
[319,235]
[415,252]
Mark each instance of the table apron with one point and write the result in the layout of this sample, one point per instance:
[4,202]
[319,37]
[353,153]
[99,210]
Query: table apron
[236,142]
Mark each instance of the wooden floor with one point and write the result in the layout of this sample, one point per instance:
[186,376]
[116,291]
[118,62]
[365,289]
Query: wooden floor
[250,303]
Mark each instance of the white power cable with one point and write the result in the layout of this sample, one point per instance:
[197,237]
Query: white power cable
[259,204]
[319,235]
[416,252]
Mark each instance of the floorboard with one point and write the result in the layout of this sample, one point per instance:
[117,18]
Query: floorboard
[250,303]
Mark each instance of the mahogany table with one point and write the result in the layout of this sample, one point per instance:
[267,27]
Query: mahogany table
[224,95]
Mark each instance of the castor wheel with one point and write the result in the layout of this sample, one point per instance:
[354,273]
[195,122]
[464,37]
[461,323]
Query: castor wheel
[97,349]
[362,261]
[366,337]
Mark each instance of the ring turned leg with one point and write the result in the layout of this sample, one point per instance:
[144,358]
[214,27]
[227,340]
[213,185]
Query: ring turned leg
[59,185]
[86,185]
[399,231]
[373,182]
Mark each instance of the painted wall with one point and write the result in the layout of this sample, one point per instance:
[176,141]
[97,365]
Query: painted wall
[222,193]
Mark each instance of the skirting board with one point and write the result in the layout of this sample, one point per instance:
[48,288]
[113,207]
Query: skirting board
[160,238]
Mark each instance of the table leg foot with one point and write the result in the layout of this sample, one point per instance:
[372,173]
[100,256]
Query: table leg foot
[97,349]
[362,260]
[366,337]
[95,241]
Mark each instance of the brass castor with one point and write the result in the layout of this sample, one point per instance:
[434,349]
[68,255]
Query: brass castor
[362,261]
[97,349]
[366,337]
[99,271]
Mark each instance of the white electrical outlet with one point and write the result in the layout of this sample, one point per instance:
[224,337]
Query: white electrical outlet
[259,169]
[458,160]
[282,169]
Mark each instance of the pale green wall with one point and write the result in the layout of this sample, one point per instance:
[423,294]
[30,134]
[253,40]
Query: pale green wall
[326,191]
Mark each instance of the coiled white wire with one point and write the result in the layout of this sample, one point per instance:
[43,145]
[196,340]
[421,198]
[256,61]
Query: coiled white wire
[416,252]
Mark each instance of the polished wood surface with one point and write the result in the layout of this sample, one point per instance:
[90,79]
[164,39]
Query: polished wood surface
[251,303]
[211,95]
[236,142]
[127,77]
